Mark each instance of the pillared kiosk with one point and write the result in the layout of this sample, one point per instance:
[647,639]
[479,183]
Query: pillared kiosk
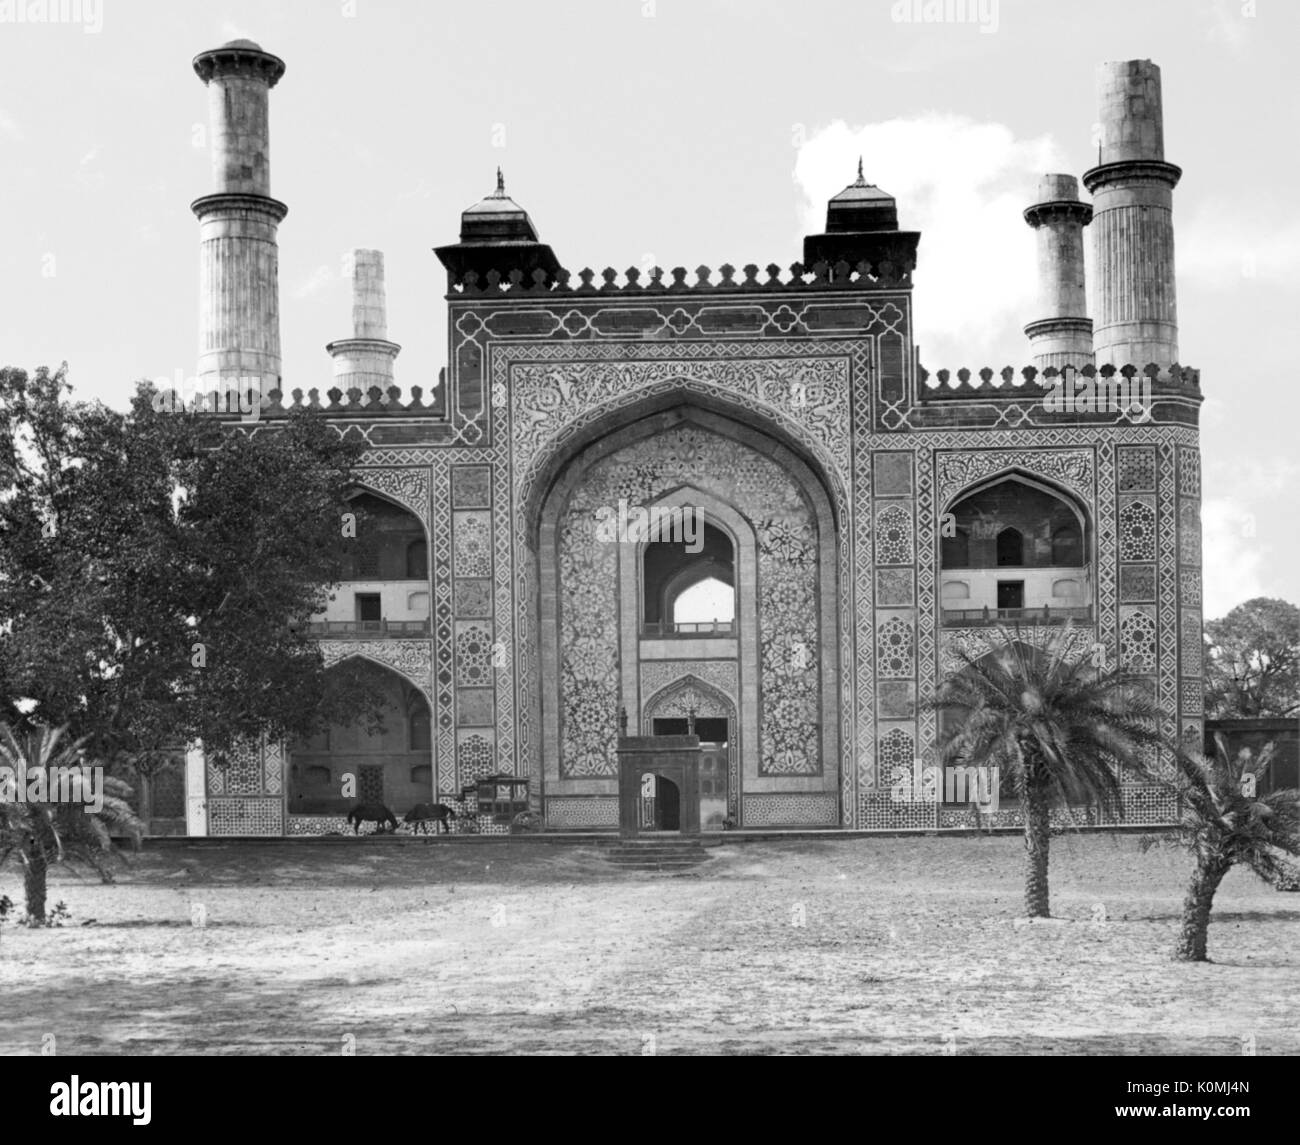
[658,785]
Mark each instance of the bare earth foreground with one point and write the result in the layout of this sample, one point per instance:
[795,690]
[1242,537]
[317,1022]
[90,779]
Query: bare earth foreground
[881,945]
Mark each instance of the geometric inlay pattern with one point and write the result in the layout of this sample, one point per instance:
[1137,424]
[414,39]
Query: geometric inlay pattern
[1137,531]
[473,655]
[895,649]
[474,758]
[894,534]
[1137,469]
[245,817]
[1137,641]
[819,810]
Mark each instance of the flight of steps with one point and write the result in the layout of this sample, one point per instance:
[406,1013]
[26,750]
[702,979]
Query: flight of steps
[666,853]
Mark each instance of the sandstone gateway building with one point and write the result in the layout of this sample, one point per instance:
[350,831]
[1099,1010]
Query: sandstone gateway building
[864,518]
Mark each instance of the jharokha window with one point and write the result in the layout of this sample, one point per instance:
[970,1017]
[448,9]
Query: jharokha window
[687,592]
[390,542]
[1021,525]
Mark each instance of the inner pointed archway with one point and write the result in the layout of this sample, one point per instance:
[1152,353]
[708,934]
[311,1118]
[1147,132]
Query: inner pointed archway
[386,760]
[621,612]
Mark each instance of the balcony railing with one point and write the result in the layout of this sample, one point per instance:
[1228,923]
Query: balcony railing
[374,629]
[658,628]
[967,617]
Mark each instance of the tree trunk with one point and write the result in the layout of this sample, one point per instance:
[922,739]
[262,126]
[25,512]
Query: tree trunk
[1196,910]
[34,884]
[1038,833]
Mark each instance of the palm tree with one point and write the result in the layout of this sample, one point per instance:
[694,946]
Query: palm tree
[1059,729]
[47,814]
[1224,822]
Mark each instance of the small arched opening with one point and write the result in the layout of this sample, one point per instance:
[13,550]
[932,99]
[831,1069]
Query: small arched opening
[381,760]
[1021,549]
[688,581]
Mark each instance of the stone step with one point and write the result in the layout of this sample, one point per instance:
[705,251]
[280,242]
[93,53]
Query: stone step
[657,855]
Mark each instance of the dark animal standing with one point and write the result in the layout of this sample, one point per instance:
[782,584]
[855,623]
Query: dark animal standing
[421,813]
[375,813]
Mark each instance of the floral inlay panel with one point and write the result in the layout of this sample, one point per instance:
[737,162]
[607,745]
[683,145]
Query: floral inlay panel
[789,639]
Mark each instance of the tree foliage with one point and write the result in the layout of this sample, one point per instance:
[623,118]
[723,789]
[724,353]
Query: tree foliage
[1253,661]
[1062,730]
[157,570]
[1225,821]
[46,820]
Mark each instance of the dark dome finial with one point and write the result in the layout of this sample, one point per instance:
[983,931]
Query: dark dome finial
[862,181]
[501,183]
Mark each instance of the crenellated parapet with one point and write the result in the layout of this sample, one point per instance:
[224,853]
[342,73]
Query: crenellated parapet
[885,274]
[250,404]
[1029,381]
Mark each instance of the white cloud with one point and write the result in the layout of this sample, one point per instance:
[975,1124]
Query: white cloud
[315,282]
[9,128]
[964,186]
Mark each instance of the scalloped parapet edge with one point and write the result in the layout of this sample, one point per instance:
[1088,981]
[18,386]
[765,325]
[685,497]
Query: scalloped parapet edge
[882,275]
[1009,381]
[370,402]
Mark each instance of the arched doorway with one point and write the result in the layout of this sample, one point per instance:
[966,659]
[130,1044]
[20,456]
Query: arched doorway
[387,760]
[688,704]
[664,807]
[608,594]
[385,586]
[1015,550]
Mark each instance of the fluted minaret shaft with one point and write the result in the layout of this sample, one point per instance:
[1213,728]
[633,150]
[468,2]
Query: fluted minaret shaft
[1061,335]
[366,359]
[239,264]
[1132,229]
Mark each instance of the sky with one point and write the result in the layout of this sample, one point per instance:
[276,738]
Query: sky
[660,132]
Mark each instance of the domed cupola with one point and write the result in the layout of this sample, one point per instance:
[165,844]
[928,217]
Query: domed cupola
[862,226]
[497,234]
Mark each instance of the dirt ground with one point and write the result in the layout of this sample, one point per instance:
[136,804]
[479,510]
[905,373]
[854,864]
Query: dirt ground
[881,945]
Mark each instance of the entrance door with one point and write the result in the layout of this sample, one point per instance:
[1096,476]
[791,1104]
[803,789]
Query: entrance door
[668,805]
[1011,594]
[715,750]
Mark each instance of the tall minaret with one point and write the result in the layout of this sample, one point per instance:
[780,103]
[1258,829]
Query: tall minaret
[1062,334]
[1132,226]
[239,289]
[366,359]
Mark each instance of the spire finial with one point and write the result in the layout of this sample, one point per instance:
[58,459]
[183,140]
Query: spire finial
[862,180]
[501,182]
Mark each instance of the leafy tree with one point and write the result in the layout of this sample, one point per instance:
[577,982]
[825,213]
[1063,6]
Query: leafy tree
[1225,822]
[45,819]
[1060,729]
[157,569]
[1253,660]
